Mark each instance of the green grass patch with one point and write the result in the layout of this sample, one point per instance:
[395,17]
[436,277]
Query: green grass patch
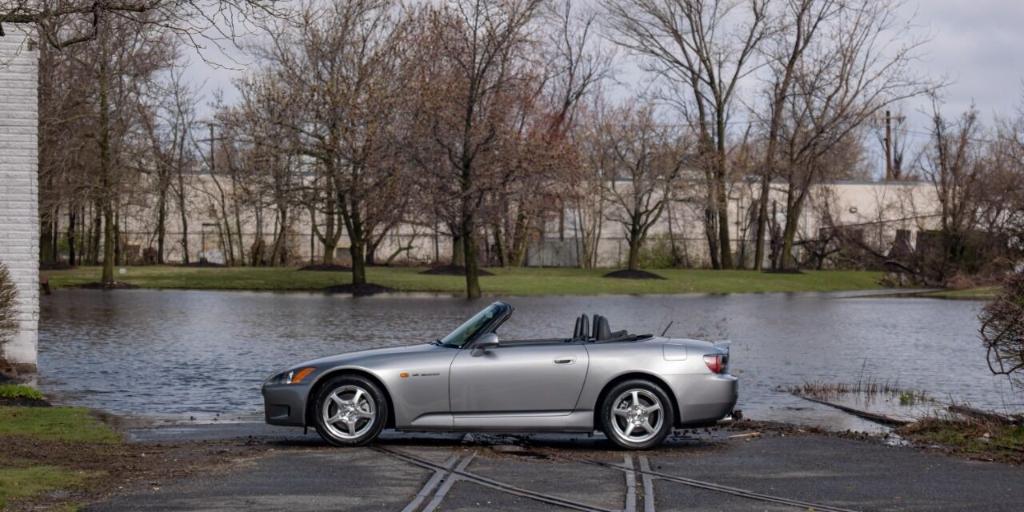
[506,281]
[24,482]
[995,441]
[14,391]
[65,424]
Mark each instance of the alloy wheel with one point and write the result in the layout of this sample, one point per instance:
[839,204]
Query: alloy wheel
[348,412]
[637,415]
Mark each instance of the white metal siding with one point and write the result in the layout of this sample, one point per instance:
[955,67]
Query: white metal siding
[19,220]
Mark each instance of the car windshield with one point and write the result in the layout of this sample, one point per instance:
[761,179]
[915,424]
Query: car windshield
[470,328]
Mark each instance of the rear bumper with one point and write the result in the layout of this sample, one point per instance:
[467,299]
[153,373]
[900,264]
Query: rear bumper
[285,404]
[704,399]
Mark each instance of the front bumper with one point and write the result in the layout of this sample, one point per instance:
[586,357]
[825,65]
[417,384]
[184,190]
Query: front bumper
[285,404]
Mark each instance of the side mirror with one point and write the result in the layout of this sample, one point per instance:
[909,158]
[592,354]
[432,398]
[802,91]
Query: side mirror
[486,342]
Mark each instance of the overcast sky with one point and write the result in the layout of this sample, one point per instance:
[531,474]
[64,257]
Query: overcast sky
[978,45]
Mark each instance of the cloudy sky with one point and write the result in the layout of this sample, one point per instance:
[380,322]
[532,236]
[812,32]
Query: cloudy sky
[976,45]
[979,45]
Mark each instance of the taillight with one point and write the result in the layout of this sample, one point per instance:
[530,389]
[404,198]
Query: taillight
[716,362]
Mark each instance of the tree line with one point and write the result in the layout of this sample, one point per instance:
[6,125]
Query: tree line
[488,119]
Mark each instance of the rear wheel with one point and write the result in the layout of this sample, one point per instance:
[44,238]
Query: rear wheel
[636,414]
[350,411]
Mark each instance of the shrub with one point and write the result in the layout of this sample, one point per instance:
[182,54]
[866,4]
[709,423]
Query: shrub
[1002,329]
[8,296]
[657,252]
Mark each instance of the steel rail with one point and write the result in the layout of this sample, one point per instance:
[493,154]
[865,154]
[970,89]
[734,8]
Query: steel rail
[735,491]
[428,488]
[496,484]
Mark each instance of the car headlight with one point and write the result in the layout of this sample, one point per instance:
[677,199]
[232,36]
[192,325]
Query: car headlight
[293,376]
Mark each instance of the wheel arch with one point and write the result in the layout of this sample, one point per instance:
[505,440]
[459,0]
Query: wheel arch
[315,388]
[653,379]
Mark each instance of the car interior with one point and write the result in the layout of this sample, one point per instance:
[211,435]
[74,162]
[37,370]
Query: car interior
[582,333]
[602,332]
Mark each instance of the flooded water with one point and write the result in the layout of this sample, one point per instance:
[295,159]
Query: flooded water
[182,354]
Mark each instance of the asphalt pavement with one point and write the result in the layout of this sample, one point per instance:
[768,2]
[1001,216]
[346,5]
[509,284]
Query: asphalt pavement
[727,470]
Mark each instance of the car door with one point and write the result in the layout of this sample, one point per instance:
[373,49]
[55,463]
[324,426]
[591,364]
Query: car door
[518,379]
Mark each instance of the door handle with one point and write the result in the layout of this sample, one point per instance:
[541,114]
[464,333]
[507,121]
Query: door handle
[565,360]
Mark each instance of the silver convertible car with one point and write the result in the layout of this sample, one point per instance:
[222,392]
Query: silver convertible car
[633,387]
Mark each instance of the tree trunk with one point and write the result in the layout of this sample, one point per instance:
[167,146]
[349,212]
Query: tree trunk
[182,206]
[279,253]
[520,240]
[458,251]
[788,260]
[709,232]
[499,246]
[106,192]
[330,246]
[118,246]
[634,255]
[358,262]
[238,221]
[724,242]
[71,237]
[46,235]
[762,220]
[469,250]
[371,252]
[95,233]
[161,224]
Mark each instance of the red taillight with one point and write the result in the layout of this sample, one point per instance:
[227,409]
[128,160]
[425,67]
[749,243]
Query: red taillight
[716,362]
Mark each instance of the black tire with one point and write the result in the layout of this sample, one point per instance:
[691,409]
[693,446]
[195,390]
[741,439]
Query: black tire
[634,401]
[368,410]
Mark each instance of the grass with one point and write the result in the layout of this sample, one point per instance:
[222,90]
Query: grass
[14,391]
[973,438]
[55,424]
[26,482]
[39,445]
[506,281]
[867,388]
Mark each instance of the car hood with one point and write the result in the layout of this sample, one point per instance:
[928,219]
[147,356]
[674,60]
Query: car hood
[363,355]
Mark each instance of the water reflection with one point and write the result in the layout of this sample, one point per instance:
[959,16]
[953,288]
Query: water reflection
[192,353]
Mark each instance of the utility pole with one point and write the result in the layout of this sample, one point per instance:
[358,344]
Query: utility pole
[888,146]
[213,155]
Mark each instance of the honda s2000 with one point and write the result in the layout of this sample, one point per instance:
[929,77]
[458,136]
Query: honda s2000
[633,387]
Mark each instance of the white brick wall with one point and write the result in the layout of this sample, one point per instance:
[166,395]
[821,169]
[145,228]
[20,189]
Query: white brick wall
[19,220]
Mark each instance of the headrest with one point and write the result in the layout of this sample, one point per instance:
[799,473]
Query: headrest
[601,329]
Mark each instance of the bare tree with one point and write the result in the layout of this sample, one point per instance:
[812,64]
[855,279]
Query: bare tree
[125,57]
[800,23]
[646,160]
[702,49]
[591,172]
[198,23]
[842,82]
[1002,330]
[339,66]
[473,64]
[169,127]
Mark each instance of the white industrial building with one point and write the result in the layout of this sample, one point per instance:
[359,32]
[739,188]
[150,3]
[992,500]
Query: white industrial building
[879,209]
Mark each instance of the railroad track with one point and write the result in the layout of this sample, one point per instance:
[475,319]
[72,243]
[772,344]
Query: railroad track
[432,494]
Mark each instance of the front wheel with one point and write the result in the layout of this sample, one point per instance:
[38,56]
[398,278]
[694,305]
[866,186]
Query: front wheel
[636,415]
[350,411]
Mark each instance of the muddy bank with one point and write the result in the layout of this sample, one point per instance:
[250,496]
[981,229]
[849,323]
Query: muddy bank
[116,468]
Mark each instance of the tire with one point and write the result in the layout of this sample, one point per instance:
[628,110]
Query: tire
[636,415]
[343,423]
